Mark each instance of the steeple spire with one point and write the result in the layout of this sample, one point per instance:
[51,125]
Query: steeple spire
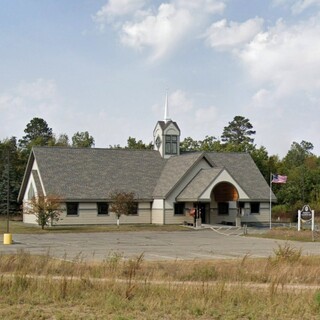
[166,109]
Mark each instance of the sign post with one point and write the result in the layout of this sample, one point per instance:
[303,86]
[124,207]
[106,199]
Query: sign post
[305,215]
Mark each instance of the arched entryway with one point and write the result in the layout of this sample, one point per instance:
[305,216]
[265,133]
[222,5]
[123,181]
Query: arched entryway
[224,203]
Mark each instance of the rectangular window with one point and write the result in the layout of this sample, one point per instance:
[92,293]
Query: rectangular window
[72,208]
[168,144]
[171,144]
[241,205]
[133,210]
[174,145]
[179,208]
[103,208]
[223,208]
[255,207]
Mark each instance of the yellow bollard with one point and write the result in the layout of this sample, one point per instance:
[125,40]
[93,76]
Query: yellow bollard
[7,238]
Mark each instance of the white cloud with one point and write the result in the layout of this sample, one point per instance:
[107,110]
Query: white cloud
[283,63]
[286,57]
[223,36]
[205,116]
[161,32]
[116,8]
[209,6]
[297,6]
[160,29]
[179,102]
[259,99]
[38,90]
[301,5]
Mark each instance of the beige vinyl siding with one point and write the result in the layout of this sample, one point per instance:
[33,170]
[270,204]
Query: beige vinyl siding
[157,211]
[157,216]
[262,217]
[87,214]
[229,218]
[171,218]
[29,218]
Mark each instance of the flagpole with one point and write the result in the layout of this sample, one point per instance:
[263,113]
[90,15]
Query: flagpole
[270,204]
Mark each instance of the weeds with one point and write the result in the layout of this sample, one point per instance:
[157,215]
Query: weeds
[131,269]
[317,300]
[287,253]
[137,289]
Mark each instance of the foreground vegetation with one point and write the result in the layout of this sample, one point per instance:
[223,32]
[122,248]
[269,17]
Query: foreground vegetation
[285,286]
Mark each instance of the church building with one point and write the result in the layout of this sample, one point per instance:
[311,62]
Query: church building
[170,187]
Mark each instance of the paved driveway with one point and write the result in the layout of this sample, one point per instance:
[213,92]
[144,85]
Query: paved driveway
[191,245]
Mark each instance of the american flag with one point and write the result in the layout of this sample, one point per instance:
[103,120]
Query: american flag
[276,178]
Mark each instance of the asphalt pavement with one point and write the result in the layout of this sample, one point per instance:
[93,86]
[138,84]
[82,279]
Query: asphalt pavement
[179,245]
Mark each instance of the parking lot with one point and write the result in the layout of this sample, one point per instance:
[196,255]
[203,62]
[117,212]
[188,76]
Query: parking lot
[179,245]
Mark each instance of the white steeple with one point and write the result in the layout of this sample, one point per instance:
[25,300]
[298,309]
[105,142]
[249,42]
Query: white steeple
[166,110]
[166,135]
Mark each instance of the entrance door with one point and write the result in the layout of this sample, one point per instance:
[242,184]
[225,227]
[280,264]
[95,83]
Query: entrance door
[202,212]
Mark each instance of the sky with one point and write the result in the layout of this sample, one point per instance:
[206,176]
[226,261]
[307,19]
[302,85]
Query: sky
[104,66]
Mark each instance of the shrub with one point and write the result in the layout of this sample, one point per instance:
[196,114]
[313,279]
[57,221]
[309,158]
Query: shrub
[287,253]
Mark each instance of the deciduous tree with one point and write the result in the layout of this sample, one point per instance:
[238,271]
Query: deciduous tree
[45,208]
[132,143]
[122,204]
[62,140]
[82,140]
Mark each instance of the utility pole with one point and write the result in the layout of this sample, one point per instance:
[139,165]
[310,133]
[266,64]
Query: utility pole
[8,189]
[7,237]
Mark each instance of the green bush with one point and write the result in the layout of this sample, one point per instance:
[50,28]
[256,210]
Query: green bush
[283,213]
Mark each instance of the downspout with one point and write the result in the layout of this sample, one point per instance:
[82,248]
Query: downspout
[164,211]
[151,212]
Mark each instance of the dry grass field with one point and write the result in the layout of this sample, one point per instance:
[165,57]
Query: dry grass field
[284,286]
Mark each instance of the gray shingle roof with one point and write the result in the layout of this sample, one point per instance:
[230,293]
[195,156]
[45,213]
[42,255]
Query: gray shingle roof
[199,183]
[175,168]
[243,169]
[164,124]
[90,174]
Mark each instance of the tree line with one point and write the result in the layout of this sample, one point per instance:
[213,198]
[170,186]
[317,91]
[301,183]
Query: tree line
[300,165]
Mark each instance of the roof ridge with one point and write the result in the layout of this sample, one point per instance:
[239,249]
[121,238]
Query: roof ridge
[93,149]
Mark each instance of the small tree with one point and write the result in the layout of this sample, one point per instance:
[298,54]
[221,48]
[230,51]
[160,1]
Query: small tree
[132,143]
[122,203]
[45,208]
[82,140]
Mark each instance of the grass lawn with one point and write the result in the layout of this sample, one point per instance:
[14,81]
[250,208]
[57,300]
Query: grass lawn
[284,286]
[16,227]
[289,234]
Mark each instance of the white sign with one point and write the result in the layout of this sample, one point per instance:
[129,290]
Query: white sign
[305,215]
